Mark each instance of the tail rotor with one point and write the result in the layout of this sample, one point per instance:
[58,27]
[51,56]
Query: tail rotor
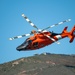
[70,34]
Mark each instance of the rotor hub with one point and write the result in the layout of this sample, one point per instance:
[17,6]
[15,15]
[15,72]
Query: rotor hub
[33,32]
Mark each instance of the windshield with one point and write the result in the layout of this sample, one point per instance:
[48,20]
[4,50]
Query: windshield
[27,41]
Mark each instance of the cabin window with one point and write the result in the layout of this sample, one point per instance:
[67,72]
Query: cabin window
[29,41]
[35,45]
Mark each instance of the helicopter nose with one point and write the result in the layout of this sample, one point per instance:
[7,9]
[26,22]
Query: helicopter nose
[21,48]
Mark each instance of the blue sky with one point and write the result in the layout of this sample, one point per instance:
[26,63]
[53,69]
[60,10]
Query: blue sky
[42,13]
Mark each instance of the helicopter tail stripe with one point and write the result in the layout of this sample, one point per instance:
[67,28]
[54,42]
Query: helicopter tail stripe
[58,37]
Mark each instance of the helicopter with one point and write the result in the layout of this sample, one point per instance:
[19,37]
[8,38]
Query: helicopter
[42,37]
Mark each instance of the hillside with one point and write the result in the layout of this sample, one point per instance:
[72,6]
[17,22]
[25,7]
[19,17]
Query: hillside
[43,64]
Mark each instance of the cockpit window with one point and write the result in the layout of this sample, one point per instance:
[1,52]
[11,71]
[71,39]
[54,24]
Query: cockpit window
[35,45]
[26,42]
[29,41]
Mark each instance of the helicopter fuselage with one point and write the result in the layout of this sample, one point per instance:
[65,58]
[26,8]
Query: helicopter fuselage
[37,41]
[43,39]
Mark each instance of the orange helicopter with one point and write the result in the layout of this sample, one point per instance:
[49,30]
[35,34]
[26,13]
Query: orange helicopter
[43,37]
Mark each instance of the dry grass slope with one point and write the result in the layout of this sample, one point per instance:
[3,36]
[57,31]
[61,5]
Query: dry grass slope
[44,64]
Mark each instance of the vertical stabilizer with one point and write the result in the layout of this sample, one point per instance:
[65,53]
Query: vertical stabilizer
[72,34]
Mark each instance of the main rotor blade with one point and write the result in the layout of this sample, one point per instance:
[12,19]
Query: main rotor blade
[16,37]
[32,24]
[68,20]
[52,39]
